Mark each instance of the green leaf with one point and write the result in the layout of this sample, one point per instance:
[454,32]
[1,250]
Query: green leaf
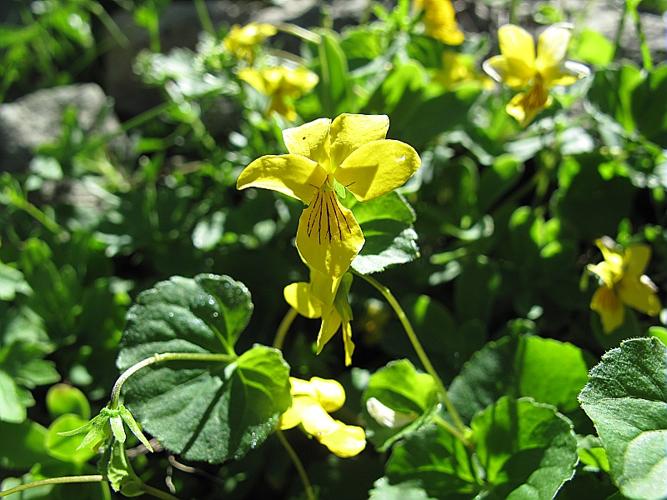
[592,454]
[545,369]
[67,448]
[649,101]
[387,225]
[12,407]
[592,47]
[435,461]
[611,92]
[588,203]
[408,398]
[409,490]
[11,283]
[626,398]
[333,87]
[63,398]
[204,314]
[22,445]
[189,405]
[527,449]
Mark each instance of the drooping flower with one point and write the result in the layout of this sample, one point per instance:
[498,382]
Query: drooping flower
[351,153]
[326,298]
[242,41]
[520,67]
[440,21]
[312,401]
[623,283]
[282,85]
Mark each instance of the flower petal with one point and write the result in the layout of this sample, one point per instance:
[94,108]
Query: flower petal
[316,421]
[611,309]
[635,260]
[254,78]
[639,294]
[551,50]
[345,441]
[328,237]
[331,321]
[292,417]
[347,342]
[377,168]
[525,106]
[298,296]
[323,287]
[350,131]
[518,49]
[293,175]
[309,140]
[330,393]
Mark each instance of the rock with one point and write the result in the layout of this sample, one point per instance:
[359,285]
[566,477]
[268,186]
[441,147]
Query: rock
[36,119]
[180,27]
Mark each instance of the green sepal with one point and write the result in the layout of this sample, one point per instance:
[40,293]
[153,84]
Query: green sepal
[117,428]
[119,472]
[97,431]
[341,301]
[134,427]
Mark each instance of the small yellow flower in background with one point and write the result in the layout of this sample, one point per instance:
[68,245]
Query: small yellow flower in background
[282,85]
[241,41]
[312,401]
[349,152]
[459,68]
[440,21]
[327,298]
[519,67]
[623,283]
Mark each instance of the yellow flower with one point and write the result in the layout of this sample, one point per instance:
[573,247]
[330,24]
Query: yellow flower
[282,85]
[440,21]
[460,68]
[350,151]
[311,403]
[519,67]
[623,283]
[325,297]
[242,40]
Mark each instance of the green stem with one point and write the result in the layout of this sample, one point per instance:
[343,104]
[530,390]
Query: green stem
[307,486]
[161,358]
[298,31]
[647,62]
[154,492]
[438,420]
[283,328]
[459,426]
[95,478]
[204,17]
[619,30]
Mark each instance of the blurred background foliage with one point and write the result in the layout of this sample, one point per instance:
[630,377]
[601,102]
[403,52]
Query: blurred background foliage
[124,126]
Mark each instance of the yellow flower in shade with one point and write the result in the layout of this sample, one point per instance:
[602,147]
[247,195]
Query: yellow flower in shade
[440,21]
[282,85]
[327,298]
[520,67]
[324,156]
[458,69]
[311,403]
[241,41]
[623,283]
